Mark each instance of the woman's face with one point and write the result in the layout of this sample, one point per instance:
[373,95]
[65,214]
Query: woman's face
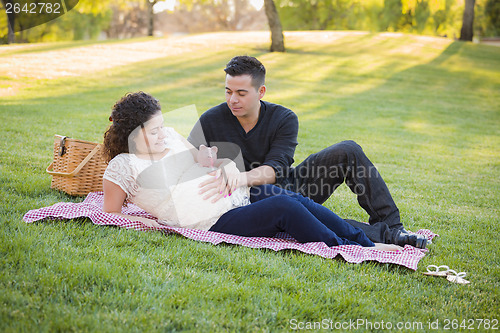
[150,139]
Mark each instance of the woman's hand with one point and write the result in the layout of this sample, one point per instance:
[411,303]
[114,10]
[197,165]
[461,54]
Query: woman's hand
[143,220]
[230,178]
[227,178]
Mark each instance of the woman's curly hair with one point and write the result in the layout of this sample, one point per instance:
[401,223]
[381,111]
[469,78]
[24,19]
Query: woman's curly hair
[130,112]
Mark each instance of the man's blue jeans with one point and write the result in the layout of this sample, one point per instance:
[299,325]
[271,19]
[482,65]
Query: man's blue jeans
[319,175]
[276,210]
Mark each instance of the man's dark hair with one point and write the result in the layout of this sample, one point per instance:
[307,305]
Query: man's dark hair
[242,65]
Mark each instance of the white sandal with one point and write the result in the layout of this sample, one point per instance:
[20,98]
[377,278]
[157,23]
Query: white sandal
[450,274]
[434,270]
[456,277]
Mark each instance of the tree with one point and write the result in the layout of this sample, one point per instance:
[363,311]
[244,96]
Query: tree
[35,20]
[151,14]
[277,40]
[392,14]
[467,33]
[228,15]
[421,16]
[11,20]
[492,11]
[319,14]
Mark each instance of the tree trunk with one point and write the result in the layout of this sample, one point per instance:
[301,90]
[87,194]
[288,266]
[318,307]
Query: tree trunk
[11,20]
[151,17]
[467,33]
[11,37]
[277,40]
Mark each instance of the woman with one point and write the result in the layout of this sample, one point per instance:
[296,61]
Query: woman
[156,168]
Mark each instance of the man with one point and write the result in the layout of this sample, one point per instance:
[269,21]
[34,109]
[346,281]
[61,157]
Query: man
[266,133]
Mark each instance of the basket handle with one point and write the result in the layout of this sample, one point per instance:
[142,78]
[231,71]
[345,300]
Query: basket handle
[78,168]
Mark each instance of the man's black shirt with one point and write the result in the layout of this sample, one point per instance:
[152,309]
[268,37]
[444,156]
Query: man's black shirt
[271,142]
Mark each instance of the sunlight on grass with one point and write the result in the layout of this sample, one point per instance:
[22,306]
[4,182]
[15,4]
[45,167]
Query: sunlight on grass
[423,127]
[181,119]
[483,152]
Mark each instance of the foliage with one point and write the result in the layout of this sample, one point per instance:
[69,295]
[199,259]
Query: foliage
[424,109]
[220,15]
[125,19]
[488,18]
[434,17]
[315,14]
[391,18]
[86,20]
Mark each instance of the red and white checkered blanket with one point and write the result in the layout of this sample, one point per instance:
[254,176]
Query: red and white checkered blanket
[91,207]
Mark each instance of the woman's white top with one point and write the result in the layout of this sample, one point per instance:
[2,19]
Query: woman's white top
[169,188]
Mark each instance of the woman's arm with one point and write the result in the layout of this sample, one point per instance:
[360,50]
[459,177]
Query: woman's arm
[114,197]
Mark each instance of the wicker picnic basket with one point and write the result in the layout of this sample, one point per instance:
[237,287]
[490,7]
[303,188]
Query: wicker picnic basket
[78,166]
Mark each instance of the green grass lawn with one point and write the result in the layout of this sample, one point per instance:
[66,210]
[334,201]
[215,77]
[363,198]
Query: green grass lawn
[425,110]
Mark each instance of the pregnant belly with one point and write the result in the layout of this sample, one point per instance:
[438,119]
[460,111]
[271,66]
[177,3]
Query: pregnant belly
[191,210]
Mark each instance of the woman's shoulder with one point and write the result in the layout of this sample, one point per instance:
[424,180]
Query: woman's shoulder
[131,162]
[120,159]
[127,164]
[122,171]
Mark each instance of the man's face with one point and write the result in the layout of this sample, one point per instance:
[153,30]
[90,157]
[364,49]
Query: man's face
[241,97]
